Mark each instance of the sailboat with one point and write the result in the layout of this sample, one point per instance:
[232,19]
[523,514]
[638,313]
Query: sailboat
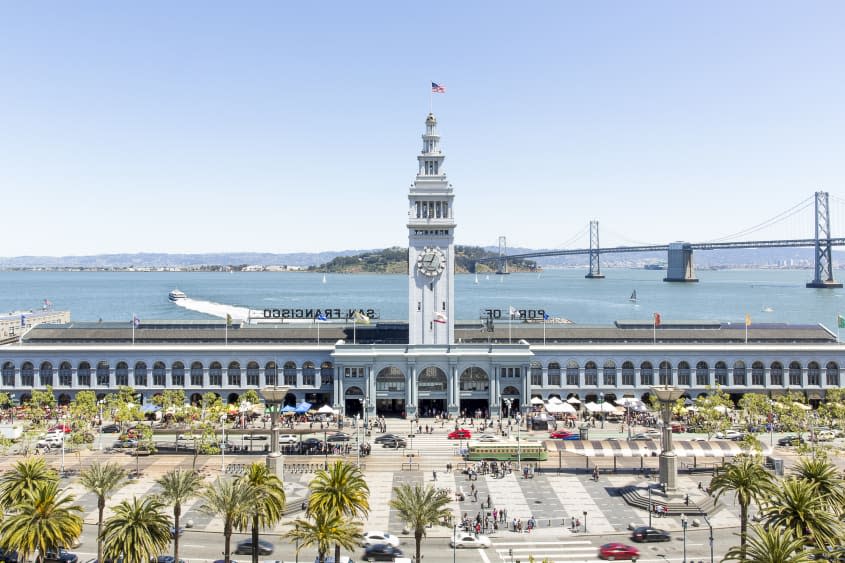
[324,278]
[476,277]
[633,298]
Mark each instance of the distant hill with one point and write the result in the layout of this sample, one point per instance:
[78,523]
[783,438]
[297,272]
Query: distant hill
[395,261]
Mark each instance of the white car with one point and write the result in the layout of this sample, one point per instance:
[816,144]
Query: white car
[374,536]
[469,540]
[288,438]
[487,438]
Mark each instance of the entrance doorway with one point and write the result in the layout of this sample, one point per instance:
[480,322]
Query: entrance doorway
[431,407]
[474,408]
[390,407]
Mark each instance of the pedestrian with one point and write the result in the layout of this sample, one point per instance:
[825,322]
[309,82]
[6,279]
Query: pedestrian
[303,506]
[488,501]
[495,514]
[686,500]
[572,523]
[577,524]
[514,524]
[700,487]
[434,475]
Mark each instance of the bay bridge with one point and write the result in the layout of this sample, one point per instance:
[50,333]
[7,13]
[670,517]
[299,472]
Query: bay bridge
[679,263]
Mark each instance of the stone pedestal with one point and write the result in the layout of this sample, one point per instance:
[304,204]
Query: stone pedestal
[669,471]
[276,465]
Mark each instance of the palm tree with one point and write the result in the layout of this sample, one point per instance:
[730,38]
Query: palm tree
[327,529]
[798,508]
[229,498]
[339,490]
[44,519]
[749,481]
[268,502]
[420,507]
[177,487]
[770,546]
[102,479]
[826,478]
[137,531]
[24,476]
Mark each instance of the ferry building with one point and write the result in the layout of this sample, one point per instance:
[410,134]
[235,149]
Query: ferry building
[433,363]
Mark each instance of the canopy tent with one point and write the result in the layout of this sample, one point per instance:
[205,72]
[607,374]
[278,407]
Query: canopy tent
[536,401]
[638,448]
[802,406]
[632,403]
[302,408]
[573,401]
[592,407]
[288,408]
[325,409]
[607,407]
[722,409]
[554,401]
[149,407]
[560,407]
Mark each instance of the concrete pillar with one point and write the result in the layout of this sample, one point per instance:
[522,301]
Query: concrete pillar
[679,264]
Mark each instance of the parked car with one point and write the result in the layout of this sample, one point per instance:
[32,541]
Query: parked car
[677,427]
[791,440]
[376,536]
[644,436]
[382,552]
[309,443]
[460,434]
[649,534]
[615,550]
[385,437]
[254,437]
[59,556]
[61,428]
[338,437]
[288,438]
[125,444]
[564,435]
[329,559]
[50,441]
[469,540]
[730,435]
[165,559]
[174,531]
[397,443]
[110,428]
[824,436]
[245,547]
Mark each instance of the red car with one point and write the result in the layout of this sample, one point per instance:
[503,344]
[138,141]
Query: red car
[460,434]
[560,434]
[612,551]
[61,428]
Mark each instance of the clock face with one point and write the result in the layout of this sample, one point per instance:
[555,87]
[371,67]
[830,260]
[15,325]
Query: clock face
[431,262]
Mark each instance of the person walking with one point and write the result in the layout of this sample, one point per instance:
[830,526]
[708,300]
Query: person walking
[434,475]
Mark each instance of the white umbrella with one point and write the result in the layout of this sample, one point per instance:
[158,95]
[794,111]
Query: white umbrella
[608,407]
[573,401]
[325,409]
[536,401]
[560,407]
[554,401]
[592,407]
[628,402]
[722,409]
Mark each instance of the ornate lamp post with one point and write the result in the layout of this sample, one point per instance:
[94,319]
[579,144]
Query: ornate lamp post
[684,526]
[601,407]
[274,398]
[668,460]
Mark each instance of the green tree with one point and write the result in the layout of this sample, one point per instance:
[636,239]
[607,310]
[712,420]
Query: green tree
[41,401]
[6,401]
[84,406]
[756,407]
[790,411]
[339,490]
[102,479]
[797,508]
[124,406]
[249,396]
[171,401]
[420,507]
[177,487]
[228,498]
[325,530]
[138,531]
[23,477]
[832,409]
[268,502]
[826,478]
[771,546]
[712,410]
[43,519]
[749,481]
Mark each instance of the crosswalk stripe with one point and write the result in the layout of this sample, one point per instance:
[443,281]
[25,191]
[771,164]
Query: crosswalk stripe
[547,549]
[573,542]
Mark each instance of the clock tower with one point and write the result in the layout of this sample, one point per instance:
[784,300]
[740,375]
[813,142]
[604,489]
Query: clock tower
[431,247]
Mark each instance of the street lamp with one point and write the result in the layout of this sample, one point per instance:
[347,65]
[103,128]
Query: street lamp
[649,505]
[709,525]
[684,526]
[454,541]
[325,449]
[508,403]
[64,424]
[601,409]
[274,397]
[100,435]
[585,521]
[358,436]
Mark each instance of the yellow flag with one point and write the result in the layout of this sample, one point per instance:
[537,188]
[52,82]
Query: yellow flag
[228,319]
[360,317]
[747,320]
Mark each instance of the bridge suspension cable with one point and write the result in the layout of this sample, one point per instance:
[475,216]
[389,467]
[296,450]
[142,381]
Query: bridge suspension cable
[580,235]
[782,216]
[624,239]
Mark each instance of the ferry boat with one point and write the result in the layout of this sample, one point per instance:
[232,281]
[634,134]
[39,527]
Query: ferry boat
[176,295]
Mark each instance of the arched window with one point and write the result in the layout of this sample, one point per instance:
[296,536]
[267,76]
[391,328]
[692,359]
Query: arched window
[289,374]
[326,374]
[234,374]
[83,374]
[683,374]
[536,370]
[573,374]
[65,374]
[702,374]
[721,369]
[665,373]
[814,374]
[252,374]
[140,373]
[758,374]
[474,379]
[591,374]
[646,374]
[197,374]
[795,374]
[628,373]
[215,374]
[554,374]
[159,374]
[609,374]
[309,374]
[390,379]
[103,374]
[832,374]
[28,374]
[432,378]
[776,373]
[270,373]
[177,374]
[45,373]
[8,374]
[739,373]
[121,374]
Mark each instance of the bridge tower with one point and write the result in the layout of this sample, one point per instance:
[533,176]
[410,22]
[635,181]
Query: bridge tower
[824,263]
[595,268]
[502,262]
[679,266]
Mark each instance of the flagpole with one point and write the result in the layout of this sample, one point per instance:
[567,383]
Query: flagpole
[226,341]
[431,99]
[654,329]
[354,331]
[544,332]
[133,329]
[318,332]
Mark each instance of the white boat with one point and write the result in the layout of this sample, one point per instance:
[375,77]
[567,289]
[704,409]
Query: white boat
[633,298]
[176,295]
[767,309]
[476,277]
[324,278]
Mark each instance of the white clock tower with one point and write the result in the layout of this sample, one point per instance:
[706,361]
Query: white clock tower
[431,247]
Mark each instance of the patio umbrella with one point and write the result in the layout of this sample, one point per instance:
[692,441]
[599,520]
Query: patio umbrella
[592,407]
[302,408]
[325,409]
[288,408]
[555,401]
[608,407]
[573,401]
[536,401]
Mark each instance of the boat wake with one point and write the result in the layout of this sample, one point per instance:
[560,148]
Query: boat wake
[215,309]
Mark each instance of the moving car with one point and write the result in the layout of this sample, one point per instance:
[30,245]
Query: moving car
[125,444]
[246,547]
[460,434]
[730,435]
[338,437]
[61,428]
[254,437]
[174,531]
[487,438]
[824,436]
[385,437]
[376,536]
[469,540]
[615,550]
[382,552]
[165,559]
[311,443]
[790,440]
[59,556]
[644,436]
[288,439]
[649,534]
[110,429]
[397,443]
[564,435]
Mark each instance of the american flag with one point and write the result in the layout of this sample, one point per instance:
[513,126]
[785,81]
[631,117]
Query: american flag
[437,88]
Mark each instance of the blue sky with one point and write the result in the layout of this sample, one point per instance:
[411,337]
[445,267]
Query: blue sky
[294,126]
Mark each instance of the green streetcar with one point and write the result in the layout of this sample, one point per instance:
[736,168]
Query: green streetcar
[507,451]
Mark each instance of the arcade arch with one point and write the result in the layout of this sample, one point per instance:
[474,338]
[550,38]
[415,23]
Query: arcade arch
[432,389]
[390,392]
[475,392]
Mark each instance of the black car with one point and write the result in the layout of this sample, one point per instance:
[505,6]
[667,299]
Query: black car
[9,556]
[59,556]
[649,534]
[790,441]
[110,429]
[165,559]
[338,437]
[386,438]
[310,443]
[382,552]
[174,531]
[254,437]
[396,443]
[245,547]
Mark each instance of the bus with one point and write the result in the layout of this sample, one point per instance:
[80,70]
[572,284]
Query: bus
[506,451]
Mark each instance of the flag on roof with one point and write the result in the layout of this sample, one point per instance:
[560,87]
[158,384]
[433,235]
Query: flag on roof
[437,88]
[747,320]
[840,321]
[321,317]
[657,319]
[23,320]
[360,317]
[228,319]
[513,311]
[545,316]
[440,318]
[136,322]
